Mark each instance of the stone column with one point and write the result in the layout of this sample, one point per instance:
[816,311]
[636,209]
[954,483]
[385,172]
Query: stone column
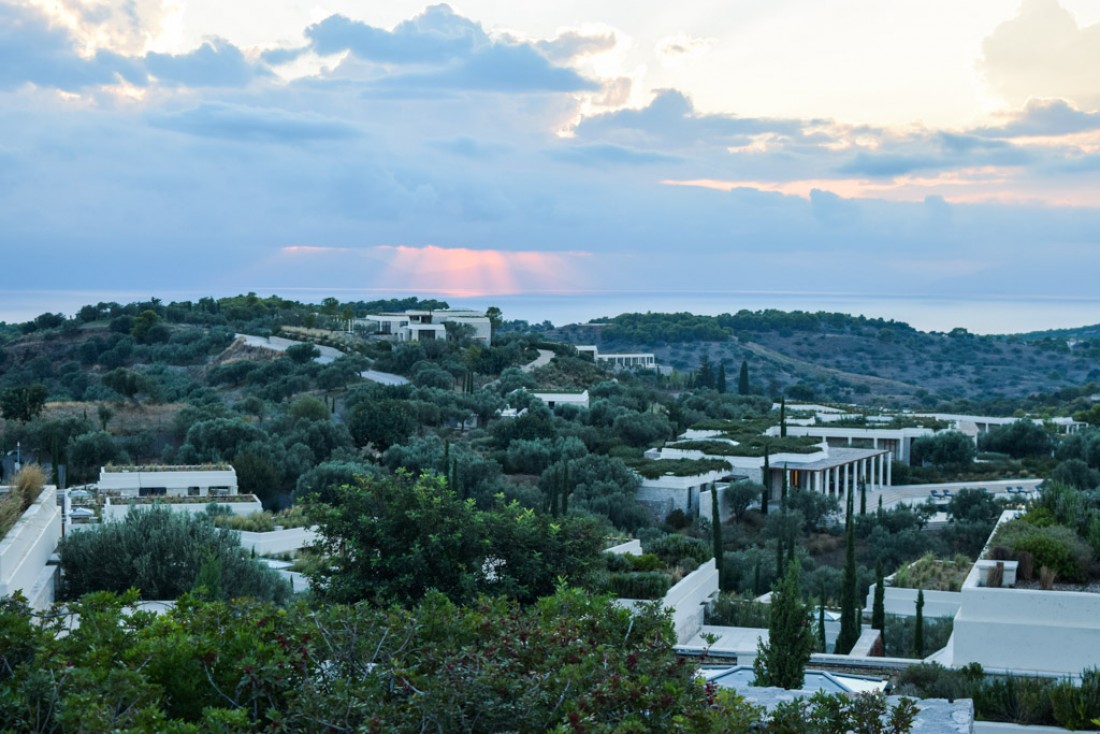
[846,489]
[889,474]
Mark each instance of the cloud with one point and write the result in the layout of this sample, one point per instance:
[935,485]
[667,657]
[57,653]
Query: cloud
[898,156]
[468,147]
[217,63]
[672,50]
[599,155]
[1042,52]
[31,51]
[240,122]
[1044,117]
[574,44]
[496,68]
[437,35]
[670,117]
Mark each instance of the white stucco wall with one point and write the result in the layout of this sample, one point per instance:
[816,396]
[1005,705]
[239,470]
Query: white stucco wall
[26,549]
[688,600]
[129,482]
[116,511]
[276,542]
[903,602]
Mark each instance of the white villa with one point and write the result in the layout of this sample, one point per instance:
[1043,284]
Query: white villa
[644,360]
[415,326]
[818,467]
[171,481]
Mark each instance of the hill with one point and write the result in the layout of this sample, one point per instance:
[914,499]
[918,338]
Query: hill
[852,358]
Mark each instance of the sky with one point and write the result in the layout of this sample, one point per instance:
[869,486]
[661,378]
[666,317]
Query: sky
[856,149]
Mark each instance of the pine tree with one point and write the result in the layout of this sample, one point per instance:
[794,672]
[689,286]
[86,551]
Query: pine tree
[743,379]
[781,661]
[716,531]
[720,381]
[918,633]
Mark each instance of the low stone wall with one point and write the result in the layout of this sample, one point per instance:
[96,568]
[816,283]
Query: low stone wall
[26,550]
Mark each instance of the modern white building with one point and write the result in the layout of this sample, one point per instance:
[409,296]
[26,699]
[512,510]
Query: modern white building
[825,469]
[669,492]
[26,548]
[172,481]
[554,398]
[415,326]
[643,360]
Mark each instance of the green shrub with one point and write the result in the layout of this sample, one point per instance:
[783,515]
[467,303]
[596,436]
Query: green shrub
[1076,707]
[1055,546]
[732,611]
[160,553]
[673,547]
[1015,699]
[646,585]
[932,680]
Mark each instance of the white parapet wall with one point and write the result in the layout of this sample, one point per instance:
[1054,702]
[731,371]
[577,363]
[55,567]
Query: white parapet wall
[688,600]
[629,548]
[1026,629]
[903,602]
[26,549]
[241,505]
[277,542]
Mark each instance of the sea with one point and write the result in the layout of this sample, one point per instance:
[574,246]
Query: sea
[988,314]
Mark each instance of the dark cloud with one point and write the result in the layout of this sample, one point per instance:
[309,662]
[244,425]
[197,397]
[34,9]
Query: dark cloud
[33,52]
[216,63]
[1045,117]
[239,122]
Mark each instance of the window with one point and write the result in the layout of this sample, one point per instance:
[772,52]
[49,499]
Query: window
[193,491]
[152,491]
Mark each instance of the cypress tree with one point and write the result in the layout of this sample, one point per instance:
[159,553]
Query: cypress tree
[783,491]
[781,661]
[878,608]
[862,496]
[880,507]
[565,490]
[756,579]
[720,382]
[716,531]
[743,378]
[918,633]
[849,622]
[765,476]
[783,417]
[821,625]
